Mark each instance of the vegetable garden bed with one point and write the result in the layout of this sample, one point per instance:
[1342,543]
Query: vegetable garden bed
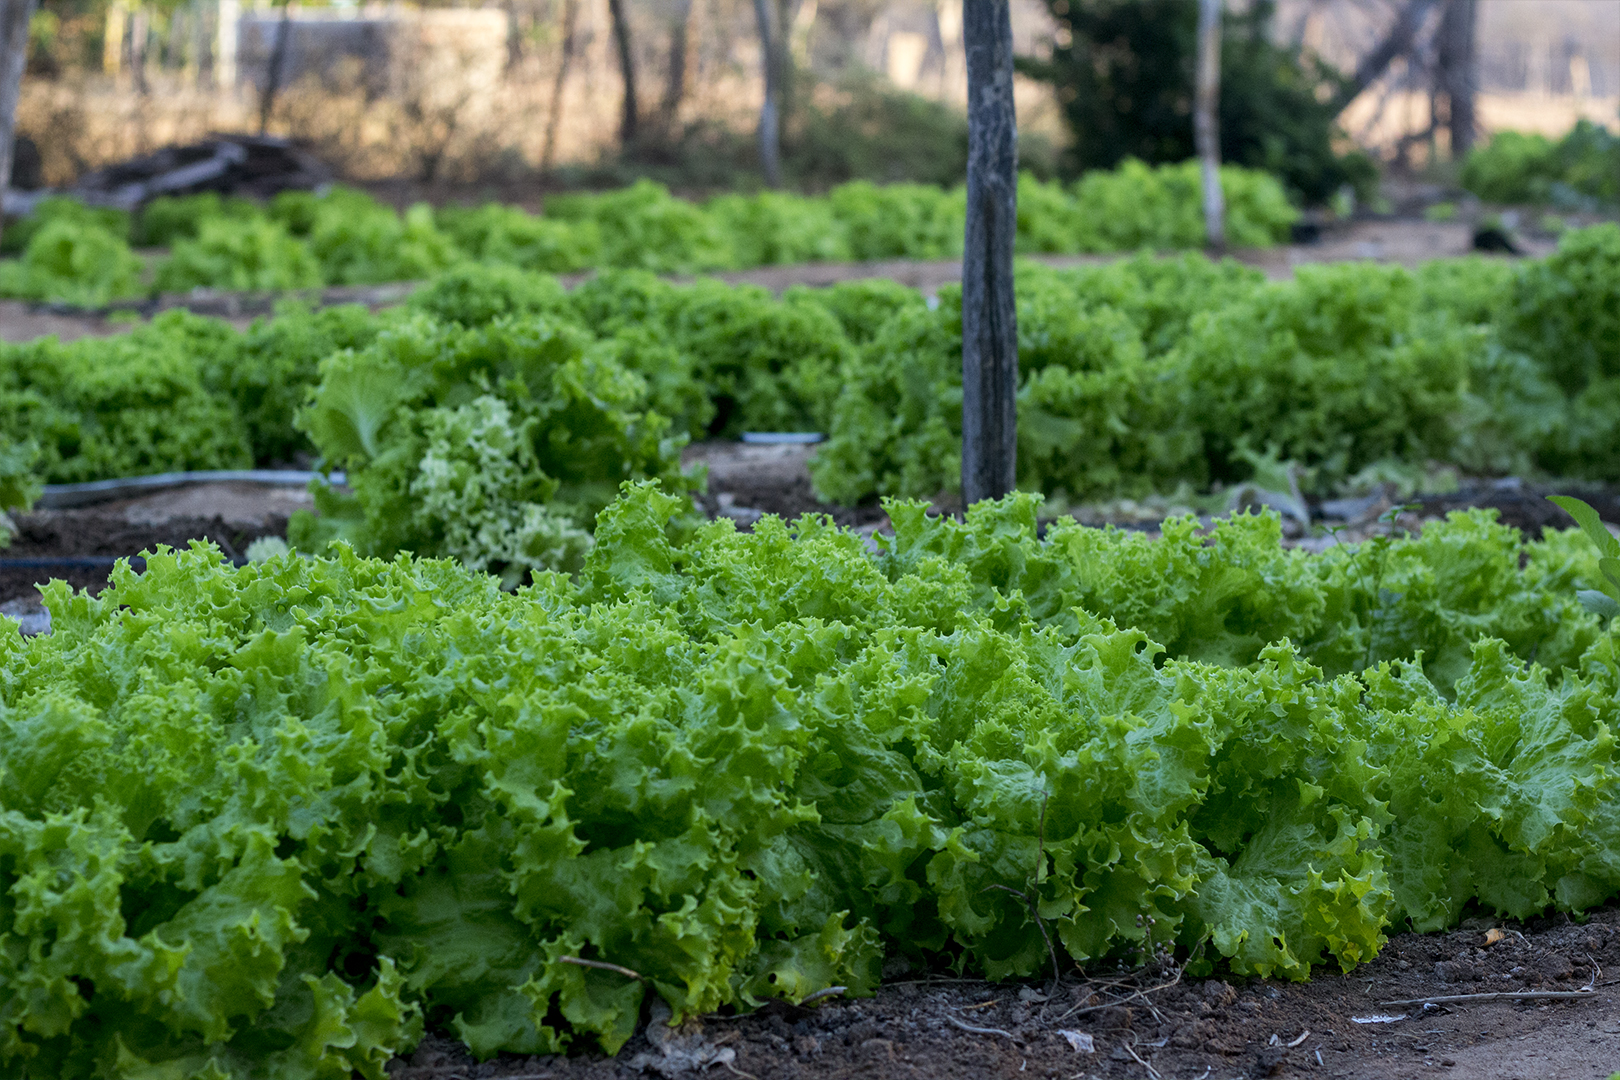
[277,819]
[916,1026]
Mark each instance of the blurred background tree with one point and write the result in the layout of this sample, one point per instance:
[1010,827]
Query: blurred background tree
[1124,72]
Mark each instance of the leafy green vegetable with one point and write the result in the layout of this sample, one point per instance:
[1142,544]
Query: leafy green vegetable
[644,227]
[55,208]
[505,235]
[127,405]
[1605,599]
[18,485]
[265,820]
[232,254]
[496,445]
[73,261]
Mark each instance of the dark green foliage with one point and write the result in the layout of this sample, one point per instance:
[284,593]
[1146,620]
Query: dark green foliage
[1125,83]
[1581,171]
[169,218]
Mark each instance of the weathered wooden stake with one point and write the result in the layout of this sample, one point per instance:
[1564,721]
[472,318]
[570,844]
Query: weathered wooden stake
[989,319]
[1206,121]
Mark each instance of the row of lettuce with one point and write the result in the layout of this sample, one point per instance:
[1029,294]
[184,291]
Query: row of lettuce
[494,414]
[82,255]
[277,820]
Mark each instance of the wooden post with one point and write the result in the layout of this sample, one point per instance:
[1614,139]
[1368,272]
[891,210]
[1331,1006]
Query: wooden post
[1206,121]
[14,17]
[989,319]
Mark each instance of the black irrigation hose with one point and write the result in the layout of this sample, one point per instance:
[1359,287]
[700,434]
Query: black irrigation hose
[63,496]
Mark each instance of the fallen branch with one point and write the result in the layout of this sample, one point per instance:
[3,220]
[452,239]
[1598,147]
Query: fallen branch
[601,966]
[1497,995]
[954,1022]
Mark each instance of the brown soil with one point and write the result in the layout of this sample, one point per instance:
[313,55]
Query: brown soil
[1150,1023]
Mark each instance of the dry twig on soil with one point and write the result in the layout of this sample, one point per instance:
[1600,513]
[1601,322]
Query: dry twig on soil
[954,1022]
[1497,995]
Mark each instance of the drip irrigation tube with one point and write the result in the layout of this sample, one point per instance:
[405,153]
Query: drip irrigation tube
[63,496]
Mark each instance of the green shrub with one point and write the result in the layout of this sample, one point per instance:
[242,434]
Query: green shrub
[1336,369]
[1098,409]
[862,306]
[496,445]
[763,365]
[19,482]
[1580,171]
[1124,76]
[73,261]
[239,254]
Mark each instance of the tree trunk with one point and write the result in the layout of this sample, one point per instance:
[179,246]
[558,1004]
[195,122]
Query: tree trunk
[225,47]
[989,316]
[570,16]
[680,35]
[770,135]
[630,113]
[112,41]
[14,16]
[1408,20]
[1206,121]
[278,60]
[1456,72]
